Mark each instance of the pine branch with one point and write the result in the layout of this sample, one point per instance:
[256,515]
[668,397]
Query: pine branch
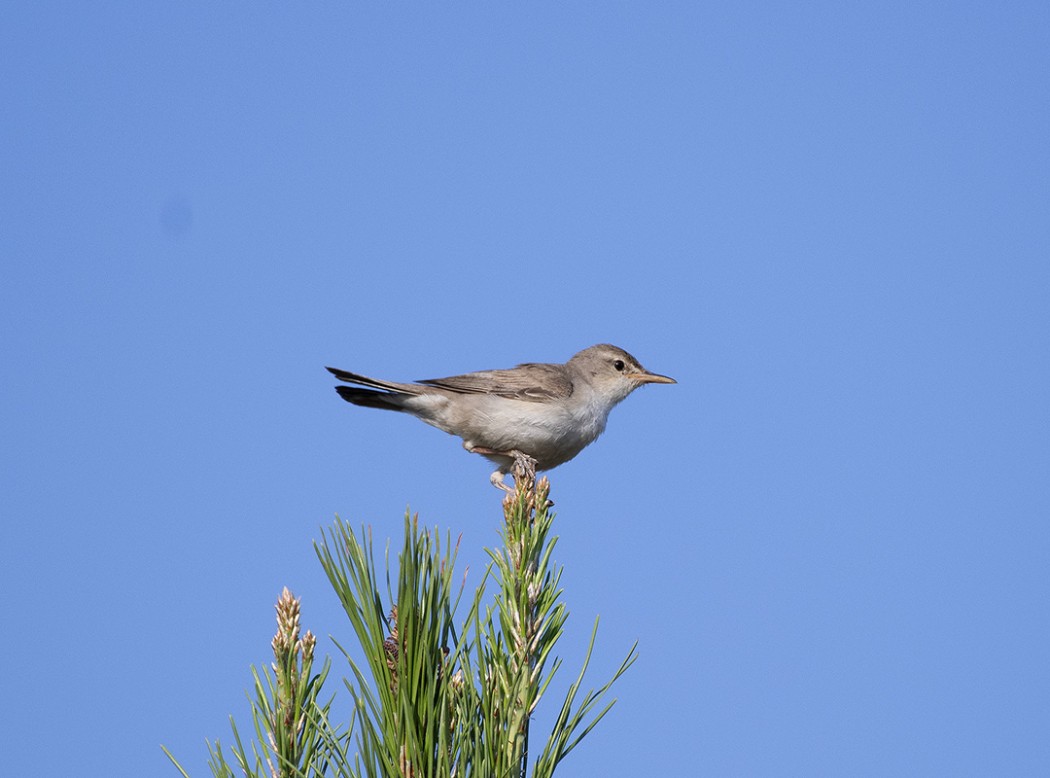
[430,700]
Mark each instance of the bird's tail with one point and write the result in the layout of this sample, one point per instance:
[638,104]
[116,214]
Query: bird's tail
[370,398]
[390,396]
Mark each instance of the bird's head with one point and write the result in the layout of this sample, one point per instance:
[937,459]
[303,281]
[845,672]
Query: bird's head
[612,372]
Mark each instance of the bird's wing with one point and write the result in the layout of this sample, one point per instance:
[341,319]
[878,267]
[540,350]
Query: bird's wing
[531,382]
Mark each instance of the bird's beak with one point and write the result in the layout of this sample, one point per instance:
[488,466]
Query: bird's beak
[651,378]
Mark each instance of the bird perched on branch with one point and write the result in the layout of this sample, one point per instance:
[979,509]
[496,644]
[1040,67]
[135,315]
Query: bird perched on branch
[544,412]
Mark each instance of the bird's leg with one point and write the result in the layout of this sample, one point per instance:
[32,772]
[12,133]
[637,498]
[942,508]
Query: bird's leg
[524,471]
[524,467]
[497,480]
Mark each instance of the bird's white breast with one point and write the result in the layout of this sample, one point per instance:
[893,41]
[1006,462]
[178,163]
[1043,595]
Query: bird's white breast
[552,432]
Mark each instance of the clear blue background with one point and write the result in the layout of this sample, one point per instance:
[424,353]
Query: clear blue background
[830,224]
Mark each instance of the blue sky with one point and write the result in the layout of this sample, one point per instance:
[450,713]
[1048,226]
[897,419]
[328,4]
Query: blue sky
[831,224]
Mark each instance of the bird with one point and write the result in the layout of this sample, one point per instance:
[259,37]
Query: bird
[546,413]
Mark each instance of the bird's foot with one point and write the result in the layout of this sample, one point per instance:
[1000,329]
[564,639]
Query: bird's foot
[524,468]
[535,492]
[496,480]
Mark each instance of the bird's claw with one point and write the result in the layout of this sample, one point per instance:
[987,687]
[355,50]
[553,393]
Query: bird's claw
[524,468]
[497,480]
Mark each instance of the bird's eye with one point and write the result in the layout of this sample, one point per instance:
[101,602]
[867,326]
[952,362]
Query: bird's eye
[619,365]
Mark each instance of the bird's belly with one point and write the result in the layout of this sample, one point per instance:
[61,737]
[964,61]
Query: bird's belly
[549,433]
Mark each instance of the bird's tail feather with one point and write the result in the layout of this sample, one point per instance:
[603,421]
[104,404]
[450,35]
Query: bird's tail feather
[372,399]
[374,383]
[387,395]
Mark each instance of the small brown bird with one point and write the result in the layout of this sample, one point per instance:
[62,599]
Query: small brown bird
[549,412]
